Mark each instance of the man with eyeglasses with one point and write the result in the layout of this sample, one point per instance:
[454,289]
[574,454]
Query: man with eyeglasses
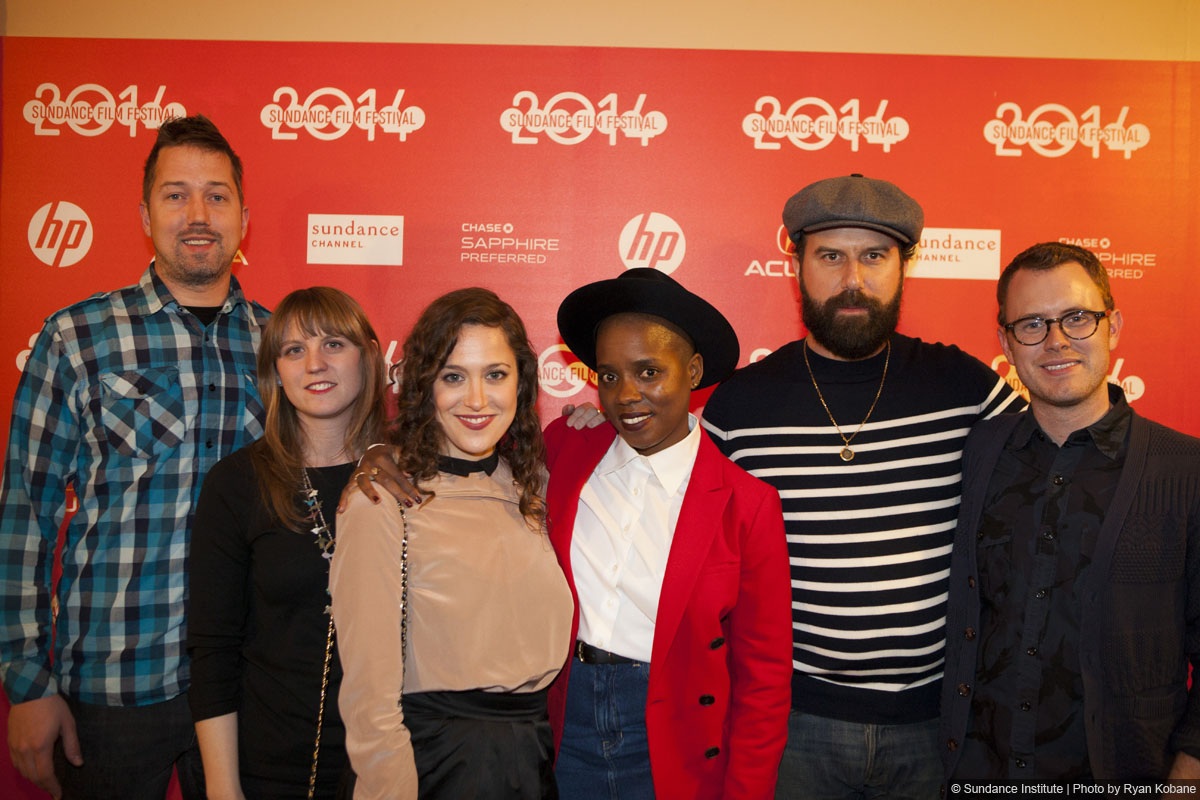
[1075,574]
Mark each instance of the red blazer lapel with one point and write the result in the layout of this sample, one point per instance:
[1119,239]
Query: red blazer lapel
[703,507]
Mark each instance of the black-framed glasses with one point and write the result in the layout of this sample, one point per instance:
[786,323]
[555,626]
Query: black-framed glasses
[1078,324]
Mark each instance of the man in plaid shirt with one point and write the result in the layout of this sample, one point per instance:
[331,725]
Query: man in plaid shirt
[128,397]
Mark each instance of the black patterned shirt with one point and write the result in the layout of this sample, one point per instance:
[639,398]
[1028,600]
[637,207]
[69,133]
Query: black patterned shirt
[1036,540]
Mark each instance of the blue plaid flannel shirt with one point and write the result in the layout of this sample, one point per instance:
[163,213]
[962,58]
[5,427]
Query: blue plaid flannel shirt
[130,399]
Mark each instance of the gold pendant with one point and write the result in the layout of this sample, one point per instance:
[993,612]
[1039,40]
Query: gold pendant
[847,454]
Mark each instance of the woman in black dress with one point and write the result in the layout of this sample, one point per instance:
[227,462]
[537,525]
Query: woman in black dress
[265,669]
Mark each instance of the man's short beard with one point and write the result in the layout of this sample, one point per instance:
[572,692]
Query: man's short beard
[847,337]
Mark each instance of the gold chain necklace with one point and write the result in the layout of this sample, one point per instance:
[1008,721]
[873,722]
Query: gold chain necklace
[325,542]
[847,454]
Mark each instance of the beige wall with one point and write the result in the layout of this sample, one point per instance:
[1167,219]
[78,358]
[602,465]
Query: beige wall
[1111,29]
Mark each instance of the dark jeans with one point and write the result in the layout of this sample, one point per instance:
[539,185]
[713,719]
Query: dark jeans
[604,751]
[831,759]
[130,751]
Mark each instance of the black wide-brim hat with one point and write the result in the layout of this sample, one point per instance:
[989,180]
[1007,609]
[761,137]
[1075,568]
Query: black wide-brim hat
[643,290]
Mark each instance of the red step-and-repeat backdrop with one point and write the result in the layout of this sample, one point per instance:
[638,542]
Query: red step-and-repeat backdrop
[398,172]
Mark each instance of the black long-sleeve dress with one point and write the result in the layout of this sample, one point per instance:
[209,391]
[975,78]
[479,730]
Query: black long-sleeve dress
[257,628]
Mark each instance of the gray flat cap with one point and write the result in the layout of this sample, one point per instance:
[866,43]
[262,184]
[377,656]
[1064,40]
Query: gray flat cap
[853,201]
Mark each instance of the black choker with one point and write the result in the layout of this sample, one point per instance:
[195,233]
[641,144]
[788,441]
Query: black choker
[463,467]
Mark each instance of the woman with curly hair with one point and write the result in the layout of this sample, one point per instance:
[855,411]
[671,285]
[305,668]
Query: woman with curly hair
[455,617]
[265,669]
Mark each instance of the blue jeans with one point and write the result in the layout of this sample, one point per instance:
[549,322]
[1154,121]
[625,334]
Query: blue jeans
[604,751]
[129,752]
[830,759]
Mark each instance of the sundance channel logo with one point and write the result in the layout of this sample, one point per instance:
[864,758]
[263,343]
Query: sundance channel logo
[373,239]
[965,253]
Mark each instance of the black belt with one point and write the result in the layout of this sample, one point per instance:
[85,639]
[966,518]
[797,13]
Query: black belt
[594,655]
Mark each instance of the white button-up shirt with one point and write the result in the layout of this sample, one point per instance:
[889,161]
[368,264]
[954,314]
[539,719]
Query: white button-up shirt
[627,514]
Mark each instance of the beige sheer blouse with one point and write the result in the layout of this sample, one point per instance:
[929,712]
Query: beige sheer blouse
[489,609]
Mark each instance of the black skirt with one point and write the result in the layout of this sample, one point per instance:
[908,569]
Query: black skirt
[481,745]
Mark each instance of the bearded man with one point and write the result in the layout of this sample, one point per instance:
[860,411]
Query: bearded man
[861,430]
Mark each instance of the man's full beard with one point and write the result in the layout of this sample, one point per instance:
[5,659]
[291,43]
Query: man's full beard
[850,337]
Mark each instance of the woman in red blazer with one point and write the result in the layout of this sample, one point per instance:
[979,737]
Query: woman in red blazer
[679,681]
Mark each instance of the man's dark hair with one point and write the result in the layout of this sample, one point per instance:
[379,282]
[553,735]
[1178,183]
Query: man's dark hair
[197,131]
[1048,255]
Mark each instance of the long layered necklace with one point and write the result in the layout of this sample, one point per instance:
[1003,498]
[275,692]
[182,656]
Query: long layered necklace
[325,541]
[847,453]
